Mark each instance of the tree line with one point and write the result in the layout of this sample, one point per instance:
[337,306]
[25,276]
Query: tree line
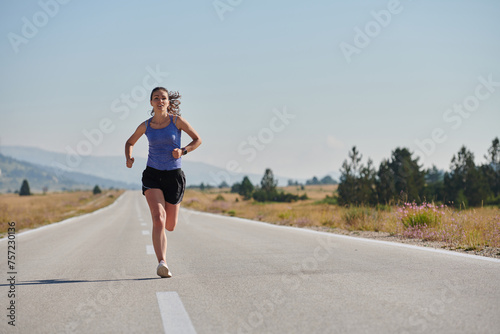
[266,192]
[401,178]
[26,191]
[314,181]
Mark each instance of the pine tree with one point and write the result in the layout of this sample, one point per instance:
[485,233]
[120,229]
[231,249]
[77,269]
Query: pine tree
[367,193]
[246,188]
[267,190]
[434,185]
[385,183]
[465,184]
[357,181]
[235,188]
[223,184]
[492,168]
[268,184]
[96,190]
[25,189]
[327,180]
[349,172]
[409,179]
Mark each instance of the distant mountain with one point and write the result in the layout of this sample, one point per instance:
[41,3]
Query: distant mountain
[103,167]
[113,168]
[13,172]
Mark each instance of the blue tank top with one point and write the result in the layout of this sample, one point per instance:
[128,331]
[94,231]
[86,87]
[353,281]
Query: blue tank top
[161,144]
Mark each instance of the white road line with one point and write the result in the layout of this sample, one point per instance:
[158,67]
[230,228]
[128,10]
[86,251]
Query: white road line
[145,232]
[150,250]
[173,314]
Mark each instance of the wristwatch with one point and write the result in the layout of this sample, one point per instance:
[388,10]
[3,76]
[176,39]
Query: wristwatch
[184,151]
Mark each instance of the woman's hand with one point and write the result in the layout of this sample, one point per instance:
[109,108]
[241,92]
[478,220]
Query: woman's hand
[177,153]
[130,162]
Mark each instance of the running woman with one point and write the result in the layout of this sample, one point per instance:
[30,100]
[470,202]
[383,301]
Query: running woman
[163,181]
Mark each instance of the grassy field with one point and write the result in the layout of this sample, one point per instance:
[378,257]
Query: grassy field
[37,210]
[470,229]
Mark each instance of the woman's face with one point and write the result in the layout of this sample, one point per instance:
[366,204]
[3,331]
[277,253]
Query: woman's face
[160,101]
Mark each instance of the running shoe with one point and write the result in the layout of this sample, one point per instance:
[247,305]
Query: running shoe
[163,271]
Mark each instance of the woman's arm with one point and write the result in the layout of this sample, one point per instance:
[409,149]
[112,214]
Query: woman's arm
[183,125]
[141,129]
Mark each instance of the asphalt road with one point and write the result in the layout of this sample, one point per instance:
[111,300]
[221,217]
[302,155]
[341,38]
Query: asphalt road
[96,274]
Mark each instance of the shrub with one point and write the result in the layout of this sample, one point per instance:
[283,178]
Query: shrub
[427,215]
[286,215]
[261,195]
[383,207]
[331,200]
[220,198]
[355,215]
[493,201]
[361,218]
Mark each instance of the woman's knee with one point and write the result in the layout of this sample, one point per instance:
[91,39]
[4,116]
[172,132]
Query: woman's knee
[170,224]
[159,218]
[172,212]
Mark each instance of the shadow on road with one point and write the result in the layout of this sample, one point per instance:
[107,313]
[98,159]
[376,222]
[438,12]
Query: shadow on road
[64,281]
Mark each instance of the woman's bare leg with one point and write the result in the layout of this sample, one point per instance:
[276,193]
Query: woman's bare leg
[156,203]
[172,215]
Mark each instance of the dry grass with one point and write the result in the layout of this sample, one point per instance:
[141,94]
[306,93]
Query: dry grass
[466,229]
[37,210]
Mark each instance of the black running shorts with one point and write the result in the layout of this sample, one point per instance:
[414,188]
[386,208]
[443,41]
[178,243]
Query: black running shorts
[171,182]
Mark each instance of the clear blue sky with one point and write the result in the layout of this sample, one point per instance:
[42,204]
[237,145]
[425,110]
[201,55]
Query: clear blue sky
[375,74]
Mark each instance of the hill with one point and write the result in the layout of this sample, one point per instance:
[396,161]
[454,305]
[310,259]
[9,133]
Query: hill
[13,172]
[113,167]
